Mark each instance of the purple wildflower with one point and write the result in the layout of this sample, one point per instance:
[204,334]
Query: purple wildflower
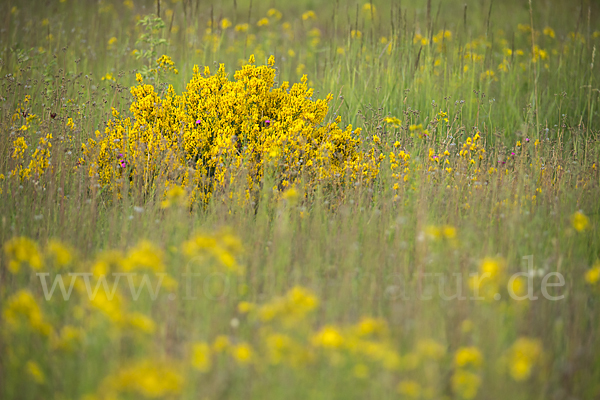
[267,122]
[198,122]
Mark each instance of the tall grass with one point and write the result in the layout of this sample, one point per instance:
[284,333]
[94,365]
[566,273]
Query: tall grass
[363,250]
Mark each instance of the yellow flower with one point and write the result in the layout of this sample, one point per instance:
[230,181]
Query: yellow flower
[592,276]
[309,15]
[291,195]
[281,347]
[68,339]
[144,255]
[208,156]
[580,221]
[420,39]
[175,195]
[201,357]
[20,146]
[549,32]
[111,42]
[488,74]
[147,378]
[369,326]
[294,306]
[221,343]
[141,322]
[222,247]
[245,307]
[241,27]
[519,286]
[433,232]
[242,353]
[274,13]
[34,371]
[61,254]
[468,356]
[262,22]
[393,121]
[166,64]
[328,337]
[225,23]
[22,306]
[524,354]
[108,77]
[449,232]
[110,307]
[493,266]
[465,384]
[368,8]
[21,250]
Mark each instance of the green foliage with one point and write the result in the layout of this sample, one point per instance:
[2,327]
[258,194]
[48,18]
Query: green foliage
[483,122]
[150,41]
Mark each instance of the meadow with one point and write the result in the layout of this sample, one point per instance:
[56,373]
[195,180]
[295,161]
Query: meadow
[312,200]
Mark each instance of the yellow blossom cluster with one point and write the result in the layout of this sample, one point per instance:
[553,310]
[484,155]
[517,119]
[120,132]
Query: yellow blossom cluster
[523,356]
[21,250]
[219,135]
[284,338]
[98,308]
[492,276]
[40,160]
[222,247]
[466,379]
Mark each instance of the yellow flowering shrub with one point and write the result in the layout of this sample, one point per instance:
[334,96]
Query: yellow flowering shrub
[220,134]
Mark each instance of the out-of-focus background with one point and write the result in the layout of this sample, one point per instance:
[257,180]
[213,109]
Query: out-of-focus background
[174,228]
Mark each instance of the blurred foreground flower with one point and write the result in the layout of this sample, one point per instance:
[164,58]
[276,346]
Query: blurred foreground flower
[580,221]
[524,354]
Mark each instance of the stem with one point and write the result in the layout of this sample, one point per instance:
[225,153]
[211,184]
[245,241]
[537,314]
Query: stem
[535,81]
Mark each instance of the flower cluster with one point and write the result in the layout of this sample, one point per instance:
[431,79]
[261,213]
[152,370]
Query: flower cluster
[224,136]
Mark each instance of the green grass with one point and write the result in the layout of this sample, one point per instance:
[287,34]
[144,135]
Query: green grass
[360,249]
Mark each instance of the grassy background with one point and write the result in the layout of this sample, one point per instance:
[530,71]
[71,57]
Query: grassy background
[359,250]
